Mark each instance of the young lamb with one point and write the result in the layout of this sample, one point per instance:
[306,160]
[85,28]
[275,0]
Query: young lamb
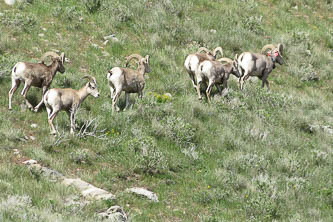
[69,100]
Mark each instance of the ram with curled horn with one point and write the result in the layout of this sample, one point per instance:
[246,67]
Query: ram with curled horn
[35,74]
[128,80]
[216,73]
[68,100]
[260,64]
[192,61]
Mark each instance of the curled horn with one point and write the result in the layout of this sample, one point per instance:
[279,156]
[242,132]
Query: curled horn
[50,53]
[269,46]
[91,78]
[204,49]
[280,47]
[133,56]
[225,60]
[218,49]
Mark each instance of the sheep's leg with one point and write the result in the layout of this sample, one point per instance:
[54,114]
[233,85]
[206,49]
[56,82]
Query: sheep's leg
[243,79]
[225,88]
[127,95]
[41,102]
[115,100]
[198,90]
[209,89]
[72,119]
[265,81]
[15,84]
[51,118]
[48,110]
[219,88]
[193,80]
[111,92]
[24,92]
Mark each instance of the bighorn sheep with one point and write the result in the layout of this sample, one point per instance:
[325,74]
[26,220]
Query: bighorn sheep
[260,65]
[69,100]
[35,74]
[216,73]
[192,61]
[128,80]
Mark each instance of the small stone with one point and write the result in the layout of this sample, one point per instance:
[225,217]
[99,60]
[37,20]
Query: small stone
[44,29]
[143,192]
[95,45]
[114,213]
[2,14]
[30,162]
[111,37]
[106,54]
[41,35]
[34,125]
[32,138]
[213,31]
[16,151]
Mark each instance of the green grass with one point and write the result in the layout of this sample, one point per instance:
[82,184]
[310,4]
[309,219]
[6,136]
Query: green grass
[252,156]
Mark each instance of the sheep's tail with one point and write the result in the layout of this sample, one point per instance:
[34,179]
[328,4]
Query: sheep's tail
[109,74]
[46,97]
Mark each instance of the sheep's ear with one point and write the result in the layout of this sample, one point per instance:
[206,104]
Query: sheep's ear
[280,47]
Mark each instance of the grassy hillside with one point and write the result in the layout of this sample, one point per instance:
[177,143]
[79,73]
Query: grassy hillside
[253,155]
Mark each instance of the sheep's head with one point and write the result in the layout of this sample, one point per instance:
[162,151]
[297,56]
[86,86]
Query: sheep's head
[235,69]
[209,53]
[275,52]
[92,86]
[233,63]
[59,60]
[142,62]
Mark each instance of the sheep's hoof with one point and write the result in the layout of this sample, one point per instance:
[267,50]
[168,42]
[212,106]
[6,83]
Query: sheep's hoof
[35,110]
[200,98]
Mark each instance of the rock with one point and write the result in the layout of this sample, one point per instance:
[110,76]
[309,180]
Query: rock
[88,190]
[1,14]
[34,125]
[41,35]
[114,214]
[30,162]
[326,129]
[143,192]
[32,138]
[16,151]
